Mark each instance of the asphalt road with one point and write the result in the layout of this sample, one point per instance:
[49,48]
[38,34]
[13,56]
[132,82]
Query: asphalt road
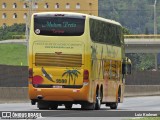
[131,107]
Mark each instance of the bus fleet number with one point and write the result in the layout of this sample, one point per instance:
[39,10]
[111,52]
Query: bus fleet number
[61,80]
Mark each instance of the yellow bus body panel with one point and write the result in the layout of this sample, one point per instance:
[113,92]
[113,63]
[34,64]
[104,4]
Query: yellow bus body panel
[79,53]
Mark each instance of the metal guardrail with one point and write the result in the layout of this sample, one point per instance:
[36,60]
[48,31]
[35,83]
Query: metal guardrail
[141,36]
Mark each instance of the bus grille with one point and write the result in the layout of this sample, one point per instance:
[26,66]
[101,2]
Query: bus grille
[59,60]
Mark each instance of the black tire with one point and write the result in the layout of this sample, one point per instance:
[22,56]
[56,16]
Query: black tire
[88,106]
[98,101]
[68,106]
[114,105]
[94,106]
[42,105]
[54,106]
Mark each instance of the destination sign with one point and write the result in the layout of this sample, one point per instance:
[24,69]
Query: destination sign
[59,26]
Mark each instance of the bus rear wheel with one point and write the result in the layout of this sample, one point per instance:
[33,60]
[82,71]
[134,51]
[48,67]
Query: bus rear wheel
[114,105]
[54,106]
[68,106]
[43,105]
[98,100]
[88,106]
[96,105]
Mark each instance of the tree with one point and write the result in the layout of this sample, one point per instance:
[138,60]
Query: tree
[75,73]
[141,61]
[9,32]
[125,31]
[68,73]
[136,15]
[71,74]
[146,61]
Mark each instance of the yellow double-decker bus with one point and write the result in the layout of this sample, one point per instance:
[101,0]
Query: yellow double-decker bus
[76,59]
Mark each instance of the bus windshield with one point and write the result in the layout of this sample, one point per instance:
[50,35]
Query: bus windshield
[59,25]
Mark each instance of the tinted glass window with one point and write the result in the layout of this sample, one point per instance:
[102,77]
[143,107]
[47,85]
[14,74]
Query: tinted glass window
[104,32]
[59,25]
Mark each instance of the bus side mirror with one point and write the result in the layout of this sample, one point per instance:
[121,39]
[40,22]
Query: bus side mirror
[127,67]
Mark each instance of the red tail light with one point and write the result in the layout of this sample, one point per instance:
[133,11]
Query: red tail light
[86,76]
[30,73]
[37,80]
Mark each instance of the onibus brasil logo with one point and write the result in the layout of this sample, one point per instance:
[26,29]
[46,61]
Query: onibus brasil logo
[21,115]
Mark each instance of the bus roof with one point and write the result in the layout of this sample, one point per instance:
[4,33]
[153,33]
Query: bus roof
[105,20]
[87,15]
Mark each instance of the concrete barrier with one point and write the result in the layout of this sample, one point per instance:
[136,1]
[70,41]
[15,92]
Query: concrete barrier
[13,94]
[14,41]
[20,94]
[141,90]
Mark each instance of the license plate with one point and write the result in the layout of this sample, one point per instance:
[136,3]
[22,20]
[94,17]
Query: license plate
[57,86]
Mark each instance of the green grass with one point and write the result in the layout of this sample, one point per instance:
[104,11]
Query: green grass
[146,118]
[13,54]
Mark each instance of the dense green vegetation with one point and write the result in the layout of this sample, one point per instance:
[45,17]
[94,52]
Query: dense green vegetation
[141,61]
[138,17]
[15,31]
[146,118]
[13,54]
[135,15]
